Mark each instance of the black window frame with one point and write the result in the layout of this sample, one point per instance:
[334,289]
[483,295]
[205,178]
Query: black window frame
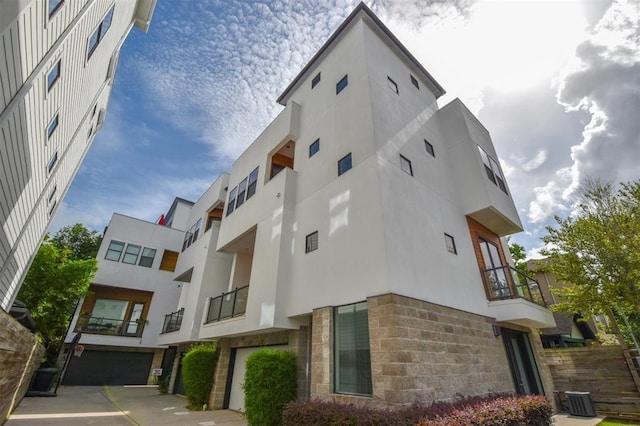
[341,161]
[147,260]
[314,147]
[315,81]
[311,242]
[342,84]
[450,243]
[392,85]
[429,147]
[242,191]
[405,161]
[414,81]
[231,204]
[252,183]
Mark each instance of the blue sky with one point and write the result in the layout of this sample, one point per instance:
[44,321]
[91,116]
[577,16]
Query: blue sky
[557,83]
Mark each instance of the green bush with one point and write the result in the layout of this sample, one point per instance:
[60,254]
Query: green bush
[269,383]
[198,367]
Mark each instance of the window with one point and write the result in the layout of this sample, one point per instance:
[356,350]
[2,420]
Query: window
[131,254]
[232,201]
[344,164]
[494,272]
[53,76]
[51,128]
[146,259]
[54,6]
[90,132]
[405,165]
[342,84]
[52,162]
[429,148]
[315,81]
[414,82]
[392,85]
[93,112]
[311,242]
[314,147]
[352,356]
[114,251]
[52,193]
[253,183]
[99,33]
[169,260]
[191,235]
[492,169]
[241,192]
[53,207]
[450,243]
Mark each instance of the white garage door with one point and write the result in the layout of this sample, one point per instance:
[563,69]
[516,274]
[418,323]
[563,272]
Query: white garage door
[236,397]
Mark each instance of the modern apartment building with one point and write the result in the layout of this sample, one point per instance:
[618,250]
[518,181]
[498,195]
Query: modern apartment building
[57,63]
[364,229]
[123,312]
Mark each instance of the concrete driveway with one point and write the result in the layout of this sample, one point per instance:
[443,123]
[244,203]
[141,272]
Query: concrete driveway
[114,406]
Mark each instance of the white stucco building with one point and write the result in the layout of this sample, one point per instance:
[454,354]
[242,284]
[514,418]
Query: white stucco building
[363,229]
[57,63]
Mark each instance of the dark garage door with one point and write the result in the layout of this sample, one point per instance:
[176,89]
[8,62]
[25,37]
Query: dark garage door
[95,368]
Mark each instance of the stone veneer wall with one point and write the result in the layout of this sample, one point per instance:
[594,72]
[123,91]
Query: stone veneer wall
[297,340]
[420,352]
[20,356]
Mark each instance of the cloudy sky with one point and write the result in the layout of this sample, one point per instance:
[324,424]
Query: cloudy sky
[557,83]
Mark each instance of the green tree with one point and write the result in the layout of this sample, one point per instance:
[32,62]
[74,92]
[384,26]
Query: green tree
[518,254]
[56,280]
[82,242]
[598,250]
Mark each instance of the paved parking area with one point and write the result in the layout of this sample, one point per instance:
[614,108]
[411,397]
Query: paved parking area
[114,406]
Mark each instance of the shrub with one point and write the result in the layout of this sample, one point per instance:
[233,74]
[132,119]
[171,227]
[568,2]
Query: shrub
[198,367]
[269,383]
[533,411]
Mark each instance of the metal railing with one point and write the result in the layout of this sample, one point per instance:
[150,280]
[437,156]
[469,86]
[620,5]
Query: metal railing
[228,305]
[506,282]
[108,326]
[172,321]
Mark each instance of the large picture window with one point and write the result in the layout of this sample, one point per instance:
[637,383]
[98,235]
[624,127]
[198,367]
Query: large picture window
[352,355]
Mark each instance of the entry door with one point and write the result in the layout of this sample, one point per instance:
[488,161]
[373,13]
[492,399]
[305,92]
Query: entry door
[522,362]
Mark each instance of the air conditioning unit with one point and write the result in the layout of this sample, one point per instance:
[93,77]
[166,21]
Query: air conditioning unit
[580,404]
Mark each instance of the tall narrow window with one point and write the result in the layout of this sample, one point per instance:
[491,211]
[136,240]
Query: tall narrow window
[344,164]
[492,169]
[414,82]
[52,162]
[51,128]
[392,85]
[314,147]
[311,242]
[114,251]
[315,81]
[495,273]
[54,6]
[405,165]
[52,193]
[344,81]
[232,201]
[242,188]
[99,33]
[253,183]
[352,355]
[450,243]
[131,254]
[53,75]
[146,259]
[429,148]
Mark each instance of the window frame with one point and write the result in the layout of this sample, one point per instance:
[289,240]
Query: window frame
[311,242]
[492,169]
[340,162]
[56,8]
[100,32]
[52,163]
[58,68]
[316,80]
[414,81]
[342,84]
[450,243]
[242,191]
[144,257]
[252,183]
[428,146]
[128,253]
[393,85]
[53,126]
[314,147]
[52,193]
[110,250]
[404,161]
[231,204]
[358,327]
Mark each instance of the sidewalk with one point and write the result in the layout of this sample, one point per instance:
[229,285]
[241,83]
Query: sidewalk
[115,406]
[567,420]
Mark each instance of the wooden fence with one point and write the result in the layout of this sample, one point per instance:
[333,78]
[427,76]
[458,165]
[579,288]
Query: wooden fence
[600,370]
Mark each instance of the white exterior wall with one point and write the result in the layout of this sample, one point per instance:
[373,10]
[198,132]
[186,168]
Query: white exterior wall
[118,274]
[31,43]
[210,269]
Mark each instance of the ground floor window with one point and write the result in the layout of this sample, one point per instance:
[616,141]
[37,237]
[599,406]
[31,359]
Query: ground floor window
[352,357]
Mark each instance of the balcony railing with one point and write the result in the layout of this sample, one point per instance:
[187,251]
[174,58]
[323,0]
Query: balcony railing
[228,305]
[109,326]
[173,321]
[506,282]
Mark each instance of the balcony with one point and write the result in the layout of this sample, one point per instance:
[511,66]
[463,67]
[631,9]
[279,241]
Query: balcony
[109,326]
[228,305]
[172,322]
[516,297]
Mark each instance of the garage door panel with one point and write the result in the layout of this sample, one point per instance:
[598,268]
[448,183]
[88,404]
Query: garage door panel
[96,368]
